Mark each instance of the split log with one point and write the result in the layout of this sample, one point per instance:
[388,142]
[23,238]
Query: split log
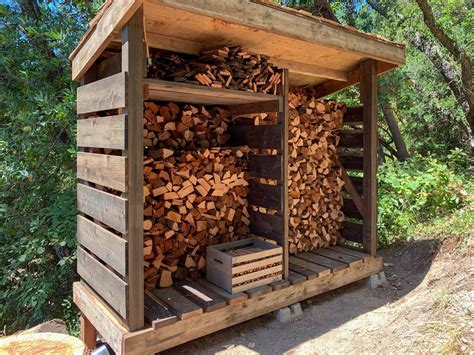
[315,183]
[222,67]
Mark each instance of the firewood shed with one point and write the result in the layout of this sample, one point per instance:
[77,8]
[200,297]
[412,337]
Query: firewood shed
[110,62]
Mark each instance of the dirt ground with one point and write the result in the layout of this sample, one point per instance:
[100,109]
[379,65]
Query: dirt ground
[427,305]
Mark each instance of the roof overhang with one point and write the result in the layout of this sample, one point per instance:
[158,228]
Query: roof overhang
[317,51]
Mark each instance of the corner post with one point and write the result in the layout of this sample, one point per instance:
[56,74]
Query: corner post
[283,121]
[133,63]
[88,333]
[368,96]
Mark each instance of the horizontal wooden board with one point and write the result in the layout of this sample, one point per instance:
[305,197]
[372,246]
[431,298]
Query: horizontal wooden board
[307,268]
[150,340]
[267,196]
[278,285]
[354,115]
[107,246]
[204,298]
[108,285]
[295,278]
[352,162]
[352,231]
[335,255]
[350,210]
[351,138]
[323,261]
[258,291]
[256,107]
[266,166]
[156,313]
[107,323]
[101,95]
[106,170]
[178,303]
[108,132]
[162,90]
[267,226]
[257,264]
[230,298]
[105,207]
[348,251]
[261,137]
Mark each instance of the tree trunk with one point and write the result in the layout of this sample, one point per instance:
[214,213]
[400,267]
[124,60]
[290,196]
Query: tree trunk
[402,151]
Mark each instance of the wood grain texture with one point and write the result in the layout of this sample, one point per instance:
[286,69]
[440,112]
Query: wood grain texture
[334,265]
[197,294]
[107,323]
[352,231]
[310,70]
[88,333]
[102,132]
[105,207]
[105,170]
[264,225]
[363,256]
[332,254]
[100,35]
[351,189]
[308,268]
[107,246]
[178,303]
[266,166]
[157,313]
[368,91]
[109,286]
[133,62]
[261,137]
[267,196]
[257,107]
[184,331]
[101,95]
[258,291]
[230,298]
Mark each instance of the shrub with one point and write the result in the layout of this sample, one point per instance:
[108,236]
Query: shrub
[414,192]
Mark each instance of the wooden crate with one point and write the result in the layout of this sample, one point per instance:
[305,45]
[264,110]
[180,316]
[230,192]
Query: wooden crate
[244,264]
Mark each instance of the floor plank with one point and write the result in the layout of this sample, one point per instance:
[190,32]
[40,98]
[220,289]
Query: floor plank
[157,313]
[178,303]
[228,297]
[278,285]
[308,268]
[364,256]
[296,278]
[204,298]
[335,255]
[258,291]
[323,261]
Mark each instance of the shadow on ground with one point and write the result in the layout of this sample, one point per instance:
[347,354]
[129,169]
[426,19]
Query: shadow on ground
[405,266]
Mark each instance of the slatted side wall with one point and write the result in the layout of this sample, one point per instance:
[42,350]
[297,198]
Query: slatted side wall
[108,192]
[357,152]
[274,167]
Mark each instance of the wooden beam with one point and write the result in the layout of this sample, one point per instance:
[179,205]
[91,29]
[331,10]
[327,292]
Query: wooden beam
[292,25]
[333,86]
[88,333]
[133,63]
[100,35]
[151,341]
[368,96]
[349,186]
[283,121]
[310,70]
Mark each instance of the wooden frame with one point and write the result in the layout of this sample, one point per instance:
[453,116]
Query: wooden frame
[110,101]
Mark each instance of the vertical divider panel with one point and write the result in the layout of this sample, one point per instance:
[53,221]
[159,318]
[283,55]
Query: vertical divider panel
[368,93]
[283,121]
[133,61]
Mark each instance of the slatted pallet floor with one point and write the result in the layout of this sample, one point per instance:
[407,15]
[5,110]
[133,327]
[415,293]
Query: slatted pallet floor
[191,309]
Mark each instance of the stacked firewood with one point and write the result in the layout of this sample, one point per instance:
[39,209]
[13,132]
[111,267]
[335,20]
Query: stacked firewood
[223,67]
[184,127]
[315,183]
[194,196]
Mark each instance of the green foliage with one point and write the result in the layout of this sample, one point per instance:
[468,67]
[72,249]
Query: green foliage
[413,193]
[37,162]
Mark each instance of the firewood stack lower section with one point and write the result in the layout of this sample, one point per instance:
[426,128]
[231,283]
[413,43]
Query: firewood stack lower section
[315,183]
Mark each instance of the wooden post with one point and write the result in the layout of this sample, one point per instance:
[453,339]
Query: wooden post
[133,63]
[88,333]
[283,121]
[368,96]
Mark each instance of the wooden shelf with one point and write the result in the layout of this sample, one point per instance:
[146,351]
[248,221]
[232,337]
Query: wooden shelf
[162,90]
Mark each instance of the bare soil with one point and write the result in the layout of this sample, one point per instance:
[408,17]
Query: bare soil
[427,305]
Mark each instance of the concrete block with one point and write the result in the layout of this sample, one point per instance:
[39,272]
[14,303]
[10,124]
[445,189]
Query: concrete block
[283,314]
[376,280]
[296,309]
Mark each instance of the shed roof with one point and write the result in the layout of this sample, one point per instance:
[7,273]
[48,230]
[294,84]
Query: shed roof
[316,50]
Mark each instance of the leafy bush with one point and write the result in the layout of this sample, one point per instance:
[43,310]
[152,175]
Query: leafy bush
[414,192]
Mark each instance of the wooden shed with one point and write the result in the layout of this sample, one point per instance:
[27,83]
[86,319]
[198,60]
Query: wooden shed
[110,63]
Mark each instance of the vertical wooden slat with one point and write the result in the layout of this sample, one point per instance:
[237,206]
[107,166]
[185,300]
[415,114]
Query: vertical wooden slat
[368,93]
[88,333]
[133,63]
[283,120]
